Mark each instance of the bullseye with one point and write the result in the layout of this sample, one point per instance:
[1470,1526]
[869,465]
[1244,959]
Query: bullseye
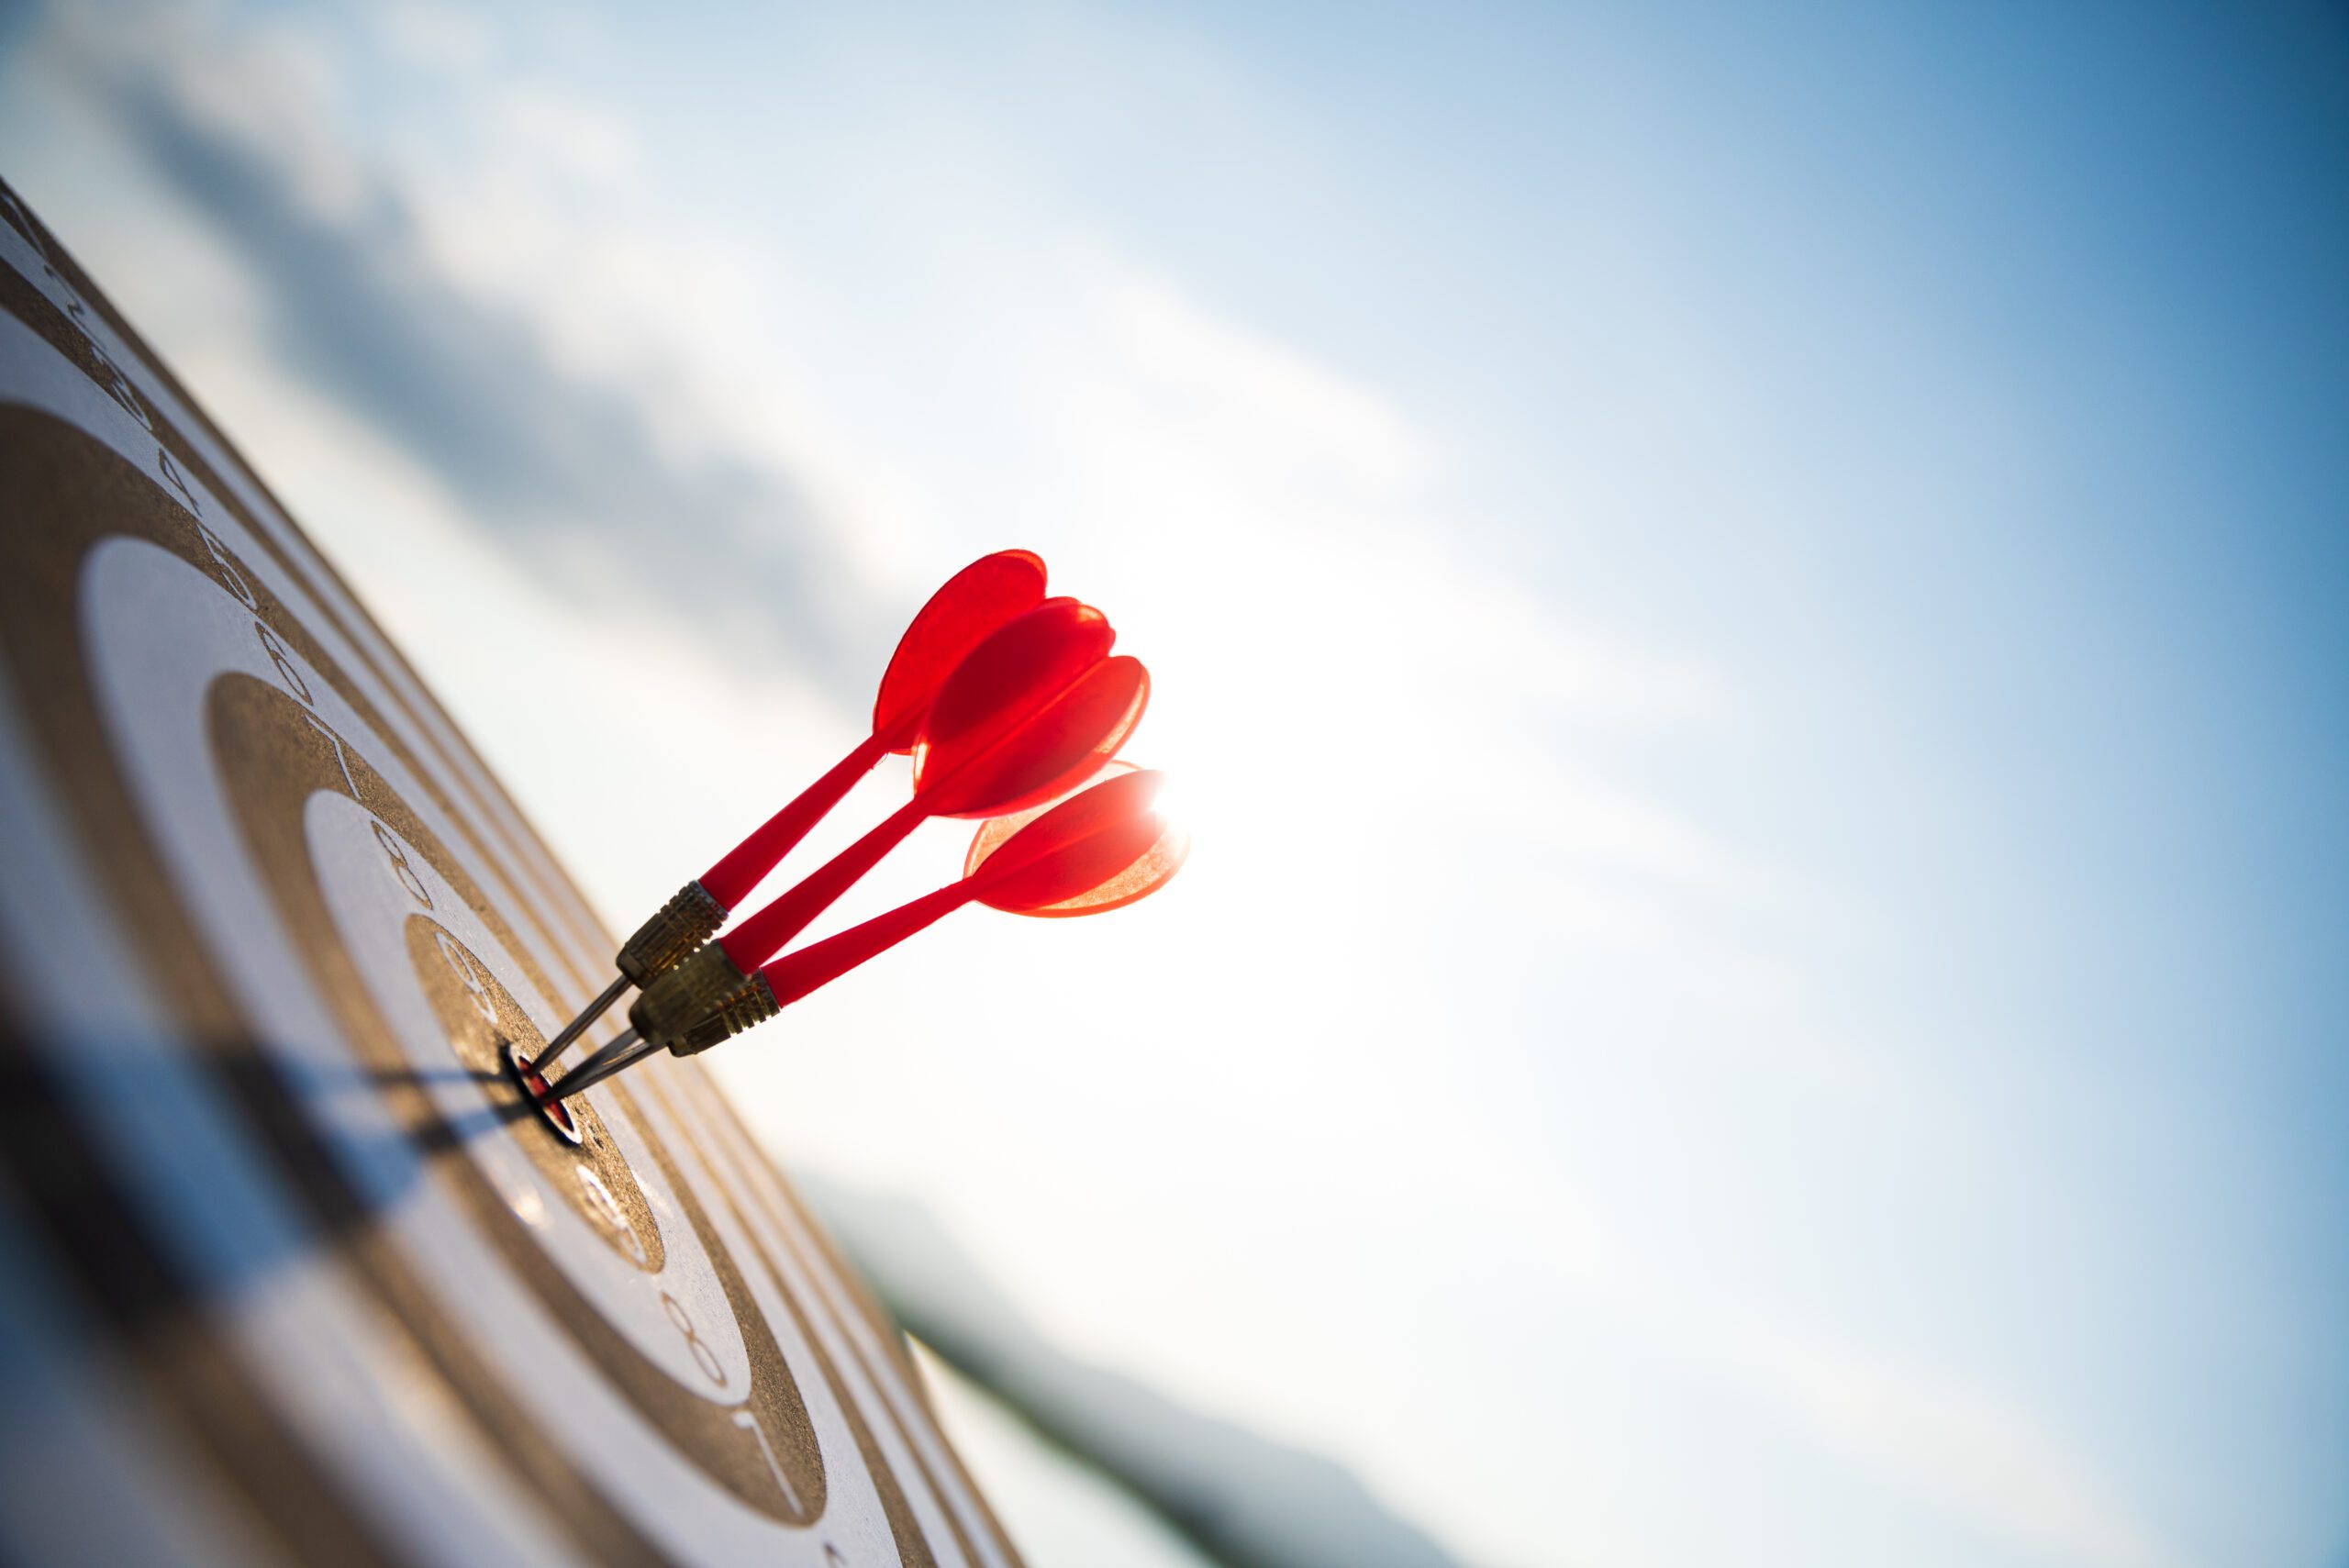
[533,1085]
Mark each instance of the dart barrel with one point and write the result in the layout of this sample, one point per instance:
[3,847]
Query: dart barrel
[690,918]
[746,1009]
[678,1002]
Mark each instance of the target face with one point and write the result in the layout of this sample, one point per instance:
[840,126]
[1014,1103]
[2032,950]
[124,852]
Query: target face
[290,1269]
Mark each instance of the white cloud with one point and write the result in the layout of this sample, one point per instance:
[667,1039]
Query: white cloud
[274,84]
[444,40]
[1953,1442]
[570,135]
[1261,384]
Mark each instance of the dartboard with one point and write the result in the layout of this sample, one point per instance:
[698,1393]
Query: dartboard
[291,1270]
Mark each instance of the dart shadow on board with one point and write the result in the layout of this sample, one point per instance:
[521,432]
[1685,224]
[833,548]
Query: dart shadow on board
[46,1158]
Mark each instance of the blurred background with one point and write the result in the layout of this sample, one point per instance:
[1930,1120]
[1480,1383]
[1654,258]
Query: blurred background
[1747,603]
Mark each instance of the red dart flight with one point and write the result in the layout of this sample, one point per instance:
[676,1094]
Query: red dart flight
[1101,848]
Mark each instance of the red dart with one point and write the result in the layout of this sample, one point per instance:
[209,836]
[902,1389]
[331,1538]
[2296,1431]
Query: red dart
[976,602]
[1100,850]
[996,830]
[1036,708]
[985,595]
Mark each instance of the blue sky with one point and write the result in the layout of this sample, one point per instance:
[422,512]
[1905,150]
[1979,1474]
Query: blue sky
[1749,607]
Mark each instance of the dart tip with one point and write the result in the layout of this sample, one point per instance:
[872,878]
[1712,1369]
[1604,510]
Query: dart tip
[626,1051]
[527,1076]
[578,1026]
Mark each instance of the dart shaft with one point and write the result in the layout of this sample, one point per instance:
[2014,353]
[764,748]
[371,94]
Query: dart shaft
[762,936]
[747,864]
[795,974]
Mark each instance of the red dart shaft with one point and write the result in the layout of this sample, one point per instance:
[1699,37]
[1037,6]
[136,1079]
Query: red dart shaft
[758,938]
[1046,724]
[793,975]
[1100,850]
[1100,834]
[742,868]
